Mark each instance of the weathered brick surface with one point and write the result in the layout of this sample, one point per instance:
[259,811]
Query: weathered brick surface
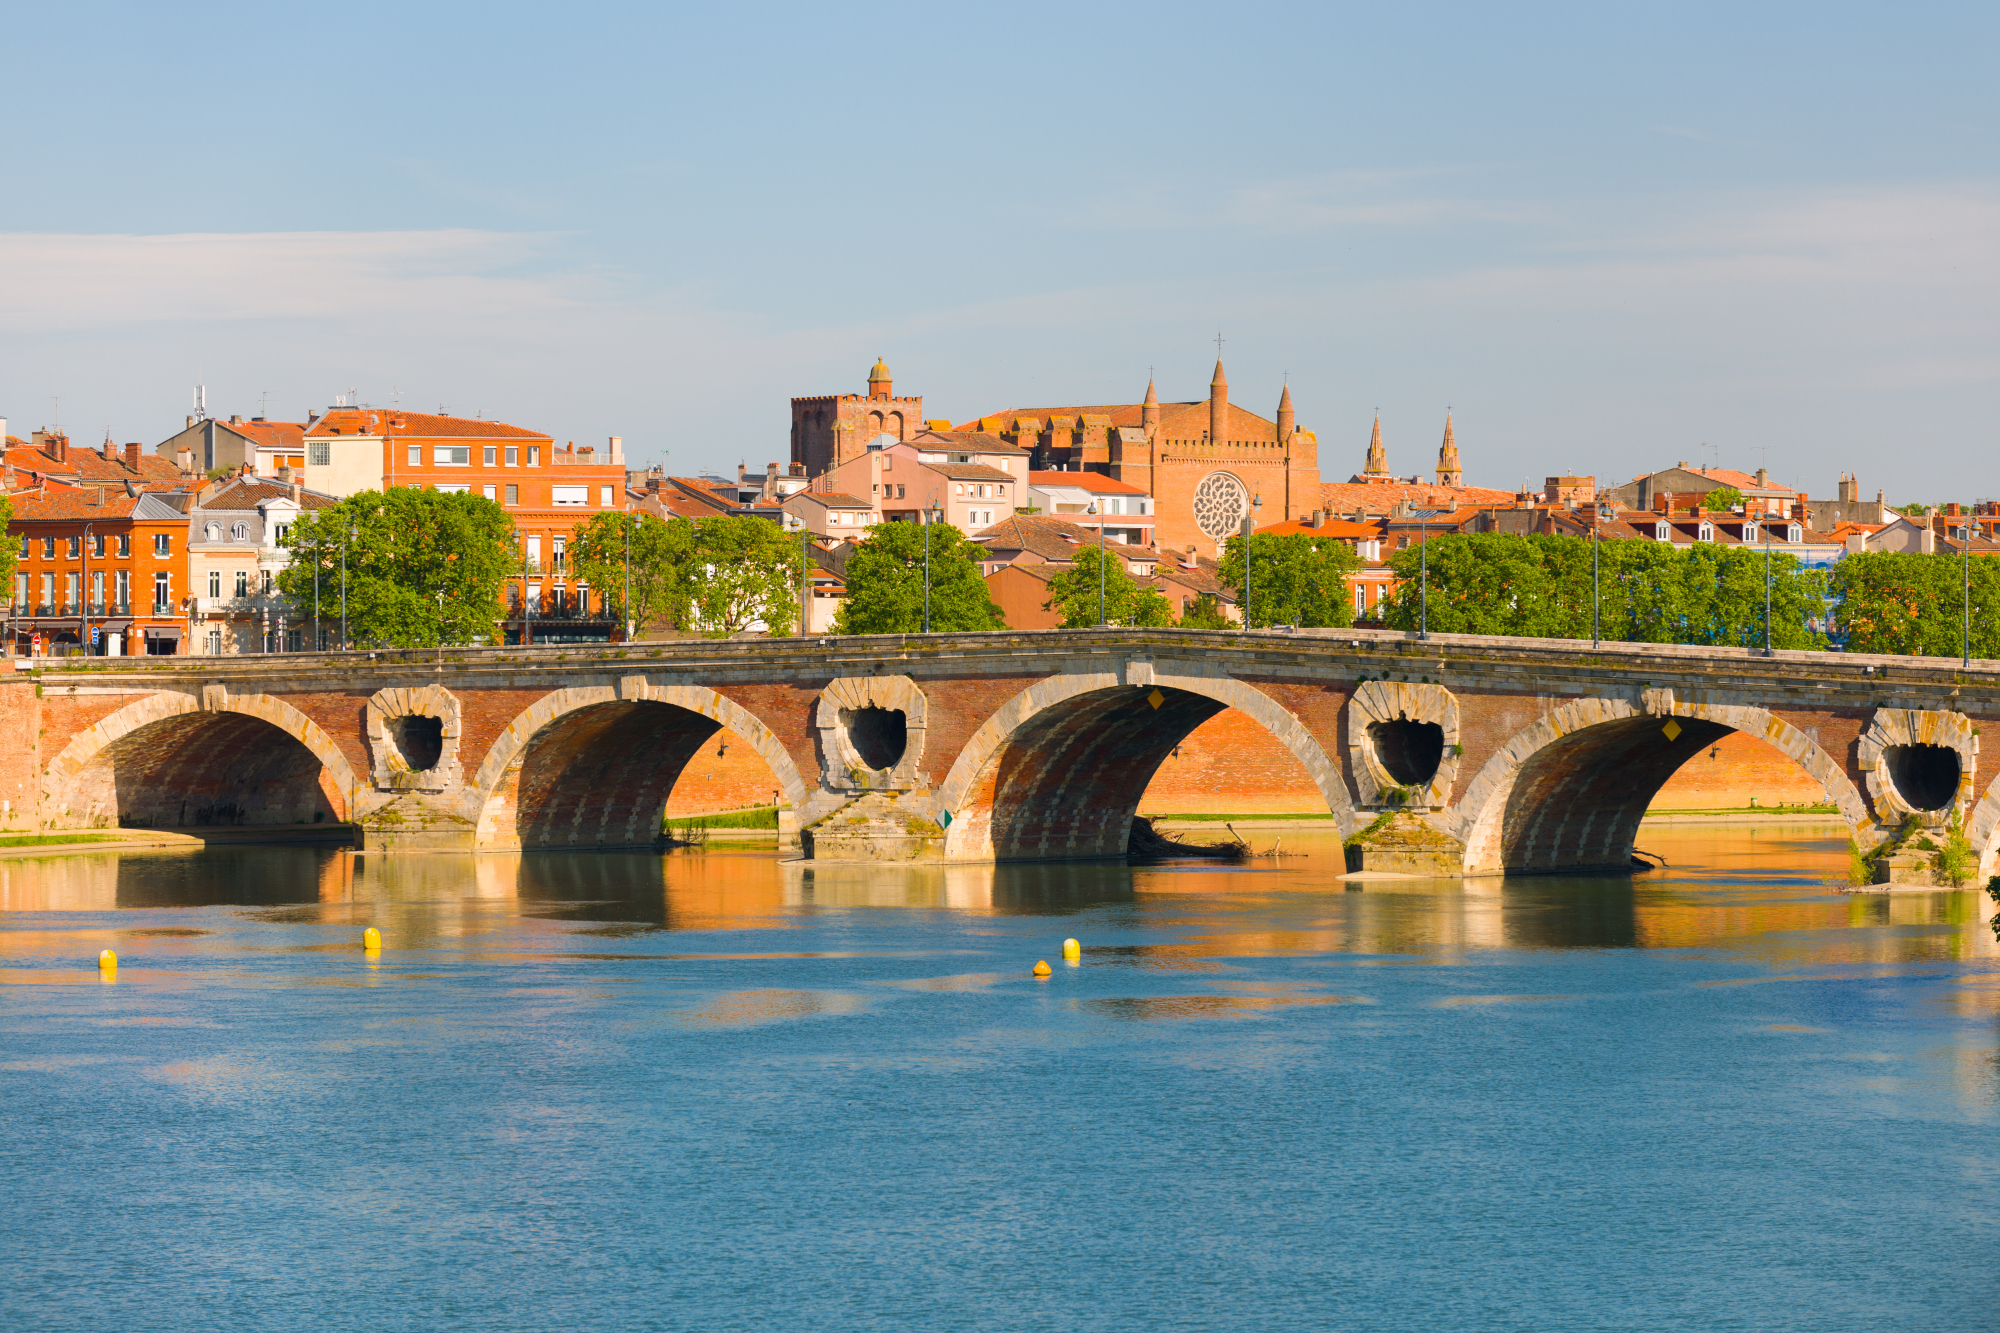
[725,773]
[1738,770]
[20,753]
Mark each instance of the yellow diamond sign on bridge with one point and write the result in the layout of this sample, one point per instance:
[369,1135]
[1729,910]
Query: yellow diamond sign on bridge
[1673,729]
[1156,698]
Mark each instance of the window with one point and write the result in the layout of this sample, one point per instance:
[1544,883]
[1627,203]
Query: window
[212,533]
[70,585]
[1705,532]
[97,588]
[513,492]
[535,555]
[97,545]
[284,534]
[318,453]
[452,455]
[899,492]
[834,519]
[534,455]
[604,497]
[454,490]
[416,455]
[48,548]
[242,583]
[162,591]
[160,544]
[534,597]
[1750,532]
[490,492]
[26,544]
[1662,532]
[20,590]
[124,588]
[959,490]
[1360,598]
[48,589]
[215,643]
[1795,533]
[569,495]
[558,549]
[267,581]
[241,532]
[215,583]
[124,545]
[513,455]
[492,455]
[75,547]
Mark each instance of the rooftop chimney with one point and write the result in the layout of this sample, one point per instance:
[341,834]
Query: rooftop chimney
[184,460]
[236,419]
[132,449]
[618,449]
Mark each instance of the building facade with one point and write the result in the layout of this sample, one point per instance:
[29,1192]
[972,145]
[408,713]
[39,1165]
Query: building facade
[102,569]
[238,543]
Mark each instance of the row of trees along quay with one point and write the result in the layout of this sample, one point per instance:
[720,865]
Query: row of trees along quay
[418,568]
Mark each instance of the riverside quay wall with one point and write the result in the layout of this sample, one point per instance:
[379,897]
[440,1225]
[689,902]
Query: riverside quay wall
[1471,755]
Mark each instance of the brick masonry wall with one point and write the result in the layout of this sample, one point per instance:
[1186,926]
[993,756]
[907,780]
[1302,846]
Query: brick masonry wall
[20,751]
[725,774]
[1734,771]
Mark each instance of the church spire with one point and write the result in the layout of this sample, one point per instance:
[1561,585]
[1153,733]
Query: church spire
[1287,420]
[1378,457]
[1449,472]
[1218,406]
[1149,411]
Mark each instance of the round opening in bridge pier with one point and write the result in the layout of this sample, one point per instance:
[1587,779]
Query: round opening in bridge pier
[419,739]
[1926,776]
[878,735]
[1410,751]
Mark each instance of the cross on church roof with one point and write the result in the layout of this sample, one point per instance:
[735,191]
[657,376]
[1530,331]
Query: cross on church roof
[1218,344]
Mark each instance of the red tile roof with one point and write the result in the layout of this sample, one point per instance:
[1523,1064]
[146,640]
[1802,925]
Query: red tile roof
[388,421]
[1381,497]
[1095,482]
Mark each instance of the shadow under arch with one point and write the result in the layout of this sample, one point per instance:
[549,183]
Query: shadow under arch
[1058,771]
[1567,793]
[592,766]
[167,762]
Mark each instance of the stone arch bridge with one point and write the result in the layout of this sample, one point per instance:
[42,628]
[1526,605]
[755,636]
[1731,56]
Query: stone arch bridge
[1483,755]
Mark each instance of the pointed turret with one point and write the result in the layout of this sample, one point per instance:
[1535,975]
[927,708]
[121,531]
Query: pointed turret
[1449,473]
[1378,457]
[1149,411]
[1218,406]
[1286,419]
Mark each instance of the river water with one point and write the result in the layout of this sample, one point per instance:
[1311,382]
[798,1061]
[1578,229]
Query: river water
[716,1091]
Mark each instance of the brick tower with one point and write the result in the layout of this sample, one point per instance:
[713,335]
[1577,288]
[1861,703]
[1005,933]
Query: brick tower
[1449,473]
[831,429]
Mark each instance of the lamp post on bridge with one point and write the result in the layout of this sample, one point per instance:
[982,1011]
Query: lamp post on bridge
[934,516]
[1424,575]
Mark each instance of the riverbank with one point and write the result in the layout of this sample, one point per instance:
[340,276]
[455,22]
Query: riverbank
[60,842]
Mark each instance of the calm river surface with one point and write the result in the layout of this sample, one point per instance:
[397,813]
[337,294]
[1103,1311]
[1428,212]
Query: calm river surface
[714,1091]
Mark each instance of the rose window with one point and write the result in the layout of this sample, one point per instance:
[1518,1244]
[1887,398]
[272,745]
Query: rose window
[1220,502]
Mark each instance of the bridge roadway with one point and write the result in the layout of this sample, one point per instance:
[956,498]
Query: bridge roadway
[1512,755]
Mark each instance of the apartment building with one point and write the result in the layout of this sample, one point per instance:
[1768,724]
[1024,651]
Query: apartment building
[102,569]
[239,541]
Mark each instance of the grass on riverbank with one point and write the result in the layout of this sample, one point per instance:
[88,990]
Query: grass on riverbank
[761,816]
[1821,808]
[1218,819]
[55,839]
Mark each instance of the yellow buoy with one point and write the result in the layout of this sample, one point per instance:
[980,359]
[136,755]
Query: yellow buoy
[1072,950]
[107,961]
[1042,968]
[371,940]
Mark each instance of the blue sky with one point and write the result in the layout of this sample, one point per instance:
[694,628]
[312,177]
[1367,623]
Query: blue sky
[1605,237]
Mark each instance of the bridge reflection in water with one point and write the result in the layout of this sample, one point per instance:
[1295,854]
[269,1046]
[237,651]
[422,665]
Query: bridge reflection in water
[1762,888]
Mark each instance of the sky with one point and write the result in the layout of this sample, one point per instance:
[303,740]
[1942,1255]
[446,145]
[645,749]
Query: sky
[1607,238]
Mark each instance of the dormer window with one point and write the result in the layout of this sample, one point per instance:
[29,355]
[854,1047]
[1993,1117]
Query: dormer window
[213,532]
[1663,531]
[1750,532]
[241,532]
[1705,532]
[1795,533]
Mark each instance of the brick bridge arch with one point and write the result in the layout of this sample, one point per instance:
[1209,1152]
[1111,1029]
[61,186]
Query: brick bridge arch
[171,759]
[1568,792]
[1059,769]
[592,766]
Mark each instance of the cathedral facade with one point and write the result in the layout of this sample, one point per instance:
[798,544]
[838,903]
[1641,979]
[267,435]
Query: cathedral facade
[1206,462]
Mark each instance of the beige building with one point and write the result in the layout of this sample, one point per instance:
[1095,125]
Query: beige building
[239,533]
[263,447]
[830,514]
[976,482]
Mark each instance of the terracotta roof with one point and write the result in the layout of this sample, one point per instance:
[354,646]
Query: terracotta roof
[970,472]
[1055,539]
[1344,529]
[79,504]
[832,499]
[968,441]
[1178,421]
[249,492]
[388,421]
[1095,482]
[90,465]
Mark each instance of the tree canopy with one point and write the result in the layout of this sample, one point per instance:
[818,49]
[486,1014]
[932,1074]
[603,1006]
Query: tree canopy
[1722,497]
[885,583]
[1906,602]
[1295,579]
[714,576]
[1074,592]
[657,548]
[1649,592]
[423,567]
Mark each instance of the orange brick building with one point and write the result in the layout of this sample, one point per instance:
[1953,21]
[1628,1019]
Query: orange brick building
[835,428]
[103,558]
[547,491]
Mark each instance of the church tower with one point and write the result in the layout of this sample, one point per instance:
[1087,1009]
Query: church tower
[1378,457]
[1218,406]
[1287,421]
[1449,473]
[1149,411]
[879,383]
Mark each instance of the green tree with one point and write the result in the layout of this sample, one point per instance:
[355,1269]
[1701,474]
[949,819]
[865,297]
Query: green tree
[1206,613]
[1074,592]
[1295,579]
[1722,497]
[1908,602]
[738,571]
[10,551]
[659,550]
[423,567]
[885,583]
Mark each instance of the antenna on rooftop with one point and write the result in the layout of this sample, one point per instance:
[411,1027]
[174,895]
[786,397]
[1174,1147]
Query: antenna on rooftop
[264,403]
[201,402]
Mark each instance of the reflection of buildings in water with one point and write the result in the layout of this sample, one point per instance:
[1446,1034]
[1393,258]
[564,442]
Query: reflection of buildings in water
[83,883]
[1033,888]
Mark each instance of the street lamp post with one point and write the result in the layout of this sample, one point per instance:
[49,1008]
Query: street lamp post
[629,519]
[1249,528]
[346,537]
[1102,558]
[1595,599]
[1965,620]
[805,578]
[1424,576]
[1767,591]
[83,596]
[317,549]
